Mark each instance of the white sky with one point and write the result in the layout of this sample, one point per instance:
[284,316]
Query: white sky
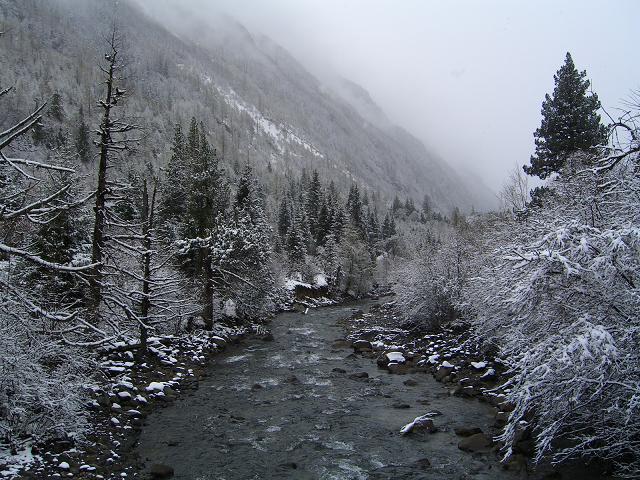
[467,77]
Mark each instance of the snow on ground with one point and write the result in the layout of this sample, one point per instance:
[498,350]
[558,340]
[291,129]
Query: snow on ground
[13,464]
[280,133]
[320,280]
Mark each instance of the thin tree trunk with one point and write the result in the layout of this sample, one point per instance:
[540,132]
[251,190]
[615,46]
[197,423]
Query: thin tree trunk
[207,313]
[97,253]
[147,225]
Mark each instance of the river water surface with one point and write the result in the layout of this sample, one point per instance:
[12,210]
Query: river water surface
[280,410]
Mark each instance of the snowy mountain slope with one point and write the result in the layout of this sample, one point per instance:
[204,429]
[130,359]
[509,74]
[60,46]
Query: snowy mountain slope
[258,102]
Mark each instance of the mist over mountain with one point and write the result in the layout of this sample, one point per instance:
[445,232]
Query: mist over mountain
[260,104]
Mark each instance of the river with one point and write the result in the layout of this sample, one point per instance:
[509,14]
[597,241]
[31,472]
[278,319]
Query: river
[293,408]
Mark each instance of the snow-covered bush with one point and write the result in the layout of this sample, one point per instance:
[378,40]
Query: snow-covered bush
[429,281]
[559,296]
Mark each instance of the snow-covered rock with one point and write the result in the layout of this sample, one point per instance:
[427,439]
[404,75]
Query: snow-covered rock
[479,365]
[396,357]
[422,423]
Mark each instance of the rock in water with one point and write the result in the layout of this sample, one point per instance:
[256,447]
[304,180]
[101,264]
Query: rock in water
[159,471]
[362,346]
[466,431]
[478,442]
[419,424]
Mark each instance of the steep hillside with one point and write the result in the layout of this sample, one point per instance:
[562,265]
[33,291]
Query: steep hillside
[258,102]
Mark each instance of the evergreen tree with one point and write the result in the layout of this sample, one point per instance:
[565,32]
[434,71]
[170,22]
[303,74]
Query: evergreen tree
[56,110]
[324,224]
[570,122]
[388,227]
[426,206]
[397,204]
[206,199]
[296,242]
[241,252]
[81,141]
[314,197]
[174,193]
[409,206]
[354,209]
[284,217]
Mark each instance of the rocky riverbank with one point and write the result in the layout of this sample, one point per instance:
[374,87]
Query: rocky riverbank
[131,388]
[453,358]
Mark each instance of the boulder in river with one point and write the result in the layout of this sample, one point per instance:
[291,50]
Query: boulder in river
[362,346]
[160,471]
[420,424]
[478,442]
[398,368]
[466,431]
[443,371]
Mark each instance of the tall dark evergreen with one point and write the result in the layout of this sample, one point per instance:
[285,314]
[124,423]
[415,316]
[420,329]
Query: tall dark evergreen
[241,252]
[354,208]
[314,197]
[570,122]
[206,199]
[174,193]
[56,110]
[284,217]
[81,140]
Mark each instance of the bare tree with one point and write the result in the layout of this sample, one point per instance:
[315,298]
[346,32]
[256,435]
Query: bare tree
[514,195]
[112,138]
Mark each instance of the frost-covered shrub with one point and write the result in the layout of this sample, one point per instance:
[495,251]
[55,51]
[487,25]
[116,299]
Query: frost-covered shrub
[43,383]
[559,296]
[429,281]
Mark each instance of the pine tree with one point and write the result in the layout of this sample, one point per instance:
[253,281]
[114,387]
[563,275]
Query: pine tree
[397,204]
[570,122]
[81,141]
[241,252]
[409,206]
[354,209]
[284,217]
[56,110]
[426,206]
[206,199]
[324,224]
[314,197]
[174,193]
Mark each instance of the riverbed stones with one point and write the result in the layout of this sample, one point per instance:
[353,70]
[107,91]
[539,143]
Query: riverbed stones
[478,442]
[359,375]
[422,424]
[398,368]
[443,372]
[466,431]
[159,471]
[362,346]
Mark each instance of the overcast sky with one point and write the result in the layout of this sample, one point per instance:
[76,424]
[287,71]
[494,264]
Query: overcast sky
[466,77]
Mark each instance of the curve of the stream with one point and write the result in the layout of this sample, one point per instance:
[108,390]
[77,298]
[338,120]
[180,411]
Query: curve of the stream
[293,408]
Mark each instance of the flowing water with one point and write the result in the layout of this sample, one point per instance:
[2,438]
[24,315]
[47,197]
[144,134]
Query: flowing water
[279,410]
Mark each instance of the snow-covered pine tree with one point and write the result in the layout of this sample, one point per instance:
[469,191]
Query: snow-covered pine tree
[56,110]
[313,201]
[207,197]
[174,192]
[241,253]
[570,122]
[284,217]
[81,138]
